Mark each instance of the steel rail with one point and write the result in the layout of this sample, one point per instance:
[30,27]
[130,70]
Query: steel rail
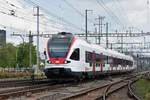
[101,88]
[130,91]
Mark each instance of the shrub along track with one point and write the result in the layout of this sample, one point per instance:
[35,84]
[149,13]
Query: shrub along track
[22,82]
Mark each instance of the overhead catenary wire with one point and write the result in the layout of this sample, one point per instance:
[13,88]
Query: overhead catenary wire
[55,16]
[11,4]
[121,11]
[28,20]
[76,10]
[25,17]
[109,12]
[73,8]
[7,11]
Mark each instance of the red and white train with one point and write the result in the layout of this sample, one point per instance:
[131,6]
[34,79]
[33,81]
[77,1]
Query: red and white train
[72,57]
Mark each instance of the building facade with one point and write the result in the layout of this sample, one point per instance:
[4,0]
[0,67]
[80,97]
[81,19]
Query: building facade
[2,37]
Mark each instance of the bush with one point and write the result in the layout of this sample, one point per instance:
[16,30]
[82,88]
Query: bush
[147,96]
[15,74]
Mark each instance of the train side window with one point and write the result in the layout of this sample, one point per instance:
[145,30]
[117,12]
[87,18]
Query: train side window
[119,61]
[110,60]
[124,62]
[115,61]
[130,63]
[105,59]
[98,60]
[88,56]
[75,55]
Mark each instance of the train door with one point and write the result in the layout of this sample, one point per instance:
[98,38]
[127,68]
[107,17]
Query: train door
[93,61]
[101,62]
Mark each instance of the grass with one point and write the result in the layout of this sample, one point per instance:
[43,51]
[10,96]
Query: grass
[143,89]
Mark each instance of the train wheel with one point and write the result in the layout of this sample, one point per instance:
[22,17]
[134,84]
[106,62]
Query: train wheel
[83,77]
[93,76]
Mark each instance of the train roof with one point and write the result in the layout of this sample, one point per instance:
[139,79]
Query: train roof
[105,51]
[93,46]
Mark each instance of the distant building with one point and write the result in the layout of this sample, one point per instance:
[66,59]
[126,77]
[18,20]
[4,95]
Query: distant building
[2,37]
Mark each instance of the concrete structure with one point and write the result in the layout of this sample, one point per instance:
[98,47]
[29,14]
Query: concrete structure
[2,37]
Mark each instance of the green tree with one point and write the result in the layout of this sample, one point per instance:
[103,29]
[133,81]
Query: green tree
[23,55]
[7,55]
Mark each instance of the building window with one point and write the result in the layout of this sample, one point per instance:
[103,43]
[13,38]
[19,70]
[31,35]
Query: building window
[75,55]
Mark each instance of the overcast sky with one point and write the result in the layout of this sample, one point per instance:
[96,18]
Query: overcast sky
[69,15]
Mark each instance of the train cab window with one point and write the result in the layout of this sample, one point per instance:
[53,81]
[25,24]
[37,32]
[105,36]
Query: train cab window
[88,58]
[75,55]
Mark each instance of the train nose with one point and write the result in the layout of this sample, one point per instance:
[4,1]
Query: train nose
[57,72]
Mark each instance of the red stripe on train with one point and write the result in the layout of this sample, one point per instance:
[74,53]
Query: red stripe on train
[48,49]
[116,67]
[112,68]
[93,67]
[101,67]
[73,41]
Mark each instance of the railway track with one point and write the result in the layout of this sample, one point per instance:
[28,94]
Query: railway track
[103,92]
[29,90]
[23,82]
[131,91]
[37,88]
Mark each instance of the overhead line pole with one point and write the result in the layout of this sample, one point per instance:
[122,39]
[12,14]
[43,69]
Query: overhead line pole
[95,33]
[37,51]
[148,16]
[38,36]
[106,35]
[30,52]
[100,26]
[86,26]
[86,23]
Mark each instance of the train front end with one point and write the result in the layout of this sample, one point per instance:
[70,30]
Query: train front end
[58,48]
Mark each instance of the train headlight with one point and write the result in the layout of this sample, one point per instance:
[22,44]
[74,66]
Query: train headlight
[48,61]
[66,61]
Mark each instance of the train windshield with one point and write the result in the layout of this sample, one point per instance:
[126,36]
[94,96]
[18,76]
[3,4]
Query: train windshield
[59,47]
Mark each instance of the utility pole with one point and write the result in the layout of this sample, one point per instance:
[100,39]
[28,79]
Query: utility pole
[144,42]
[37,51]
[30,53]
[95,33]
[122,43]
[37,36]
[118,40]
[148,16]
[100,25]
[86,26]
[86,23]
[130,29]
[106,35]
